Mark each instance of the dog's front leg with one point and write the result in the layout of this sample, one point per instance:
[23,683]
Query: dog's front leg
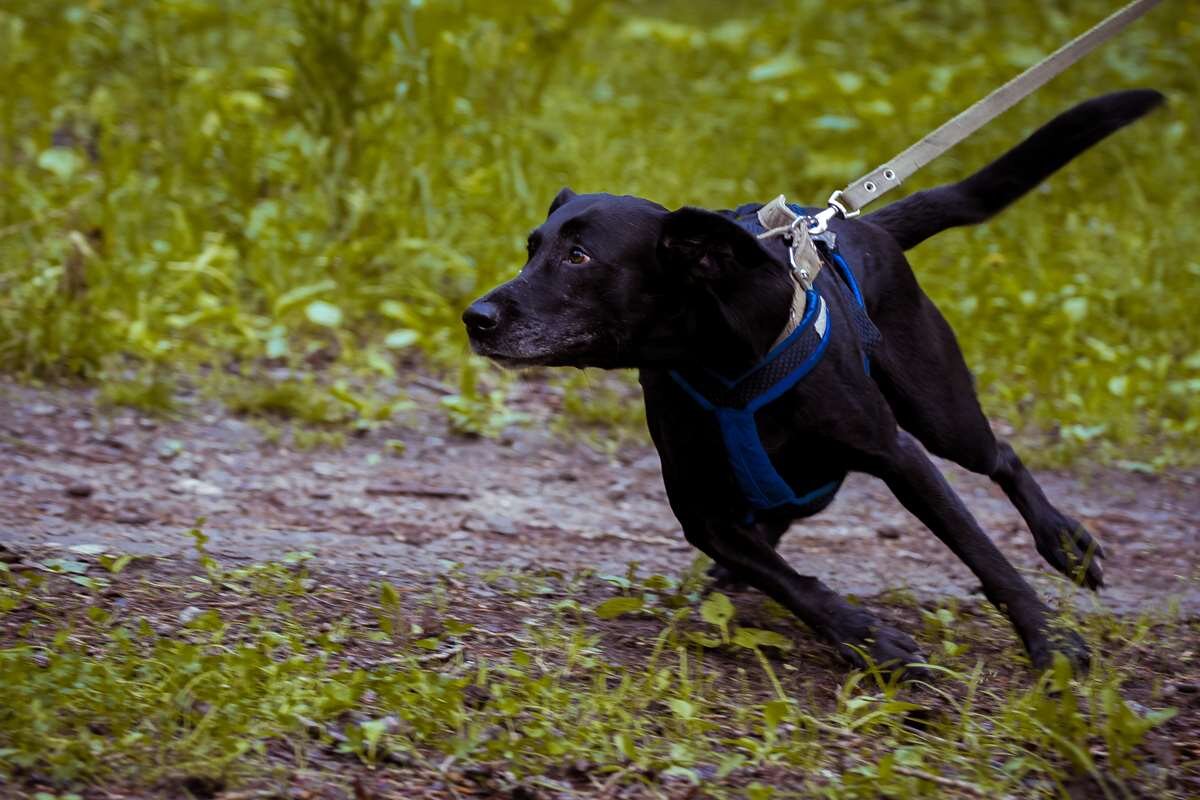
[919,485]
[747,553]
[770,531]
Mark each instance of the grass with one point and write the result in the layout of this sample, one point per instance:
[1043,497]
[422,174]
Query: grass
[289,399]
[152,393]
[212,185]
[549,685]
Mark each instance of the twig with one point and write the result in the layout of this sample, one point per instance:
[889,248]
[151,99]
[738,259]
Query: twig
[248,794]
[432,385]
[651,540]
[57,213]
[948,783]
[445,655]
[418,490]
[21,444]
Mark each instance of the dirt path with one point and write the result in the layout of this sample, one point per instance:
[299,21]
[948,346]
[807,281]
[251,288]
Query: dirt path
[71,475]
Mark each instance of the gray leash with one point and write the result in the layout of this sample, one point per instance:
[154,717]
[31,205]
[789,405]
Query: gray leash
[848,202]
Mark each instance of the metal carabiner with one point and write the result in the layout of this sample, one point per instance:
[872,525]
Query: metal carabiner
[792,242]
[820,223]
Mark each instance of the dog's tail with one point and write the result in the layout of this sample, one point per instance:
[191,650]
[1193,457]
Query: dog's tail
[989,191]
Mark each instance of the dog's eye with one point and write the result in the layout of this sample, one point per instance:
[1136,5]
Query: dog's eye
[577,256]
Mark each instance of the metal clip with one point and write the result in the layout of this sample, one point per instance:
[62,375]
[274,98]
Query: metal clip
[791,240]
[835,202]
[820,223]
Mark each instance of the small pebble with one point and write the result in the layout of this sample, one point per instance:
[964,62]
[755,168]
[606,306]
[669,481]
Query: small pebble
[491,523]
[1137,708]
[80,490]
[889,532]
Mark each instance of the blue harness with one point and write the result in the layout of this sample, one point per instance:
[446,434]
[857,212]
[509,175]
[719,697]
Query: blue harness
[735,401]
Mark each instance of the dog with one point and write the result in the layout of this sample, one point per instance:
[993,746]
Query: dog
[622,282]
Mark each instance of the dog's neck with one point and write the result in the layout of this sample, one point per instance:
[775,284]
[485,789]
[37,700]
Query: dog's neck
[745,320]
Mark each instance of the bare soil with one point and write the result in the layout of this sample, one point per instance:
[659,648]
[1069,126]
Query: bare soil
[71,473]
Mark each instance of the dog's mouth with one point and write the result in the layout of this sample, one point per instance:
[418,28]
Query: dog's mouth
[572,353]
[516,362]
[526,362]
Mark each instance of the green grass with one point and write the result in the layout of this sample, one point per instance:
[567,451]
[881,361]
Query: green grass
[289,399]
[152,393]
[115,676]
[205,182]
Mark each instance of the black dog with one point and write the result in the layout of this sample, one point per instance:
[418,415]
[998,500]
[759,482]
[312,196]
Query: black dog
[692,296]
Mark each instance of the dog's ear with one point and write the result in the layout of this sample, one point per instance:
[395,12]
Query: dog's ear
[701,245]
[564,195]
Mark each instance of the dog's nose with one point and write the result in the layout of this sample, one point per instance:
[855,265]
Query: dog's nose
[481,317]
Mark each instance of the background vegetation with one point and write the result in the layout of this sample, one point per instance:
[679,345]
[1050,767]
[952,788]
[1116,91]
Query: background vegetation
[194,183]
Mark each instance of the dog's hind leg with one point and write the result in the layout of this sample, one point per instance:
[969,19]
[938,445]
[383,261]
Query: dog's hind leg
[744,551]
[920,487]
[1062,541]
[926,381]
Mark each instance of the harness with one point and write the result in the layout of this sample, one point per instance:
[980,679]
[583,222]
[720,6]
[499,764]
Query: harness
[735,401]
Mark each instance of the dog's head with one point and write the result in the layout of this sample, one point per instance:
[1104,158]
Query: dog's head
[618,281]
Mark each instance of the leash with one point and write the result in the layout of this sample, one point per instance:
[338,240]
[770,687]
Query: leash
[848,202]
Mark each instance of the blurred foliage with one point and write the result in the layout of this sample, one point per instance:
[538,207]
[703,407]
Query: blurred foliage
[200,182]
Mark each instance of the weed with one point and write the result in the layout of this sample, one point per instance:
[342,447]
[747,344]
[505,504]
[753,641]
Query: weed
[474,414]
[307,439]
[152,392]
[304,401]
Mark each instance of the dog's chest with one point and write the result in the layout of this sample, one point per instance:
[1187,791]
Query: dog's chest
[701,461]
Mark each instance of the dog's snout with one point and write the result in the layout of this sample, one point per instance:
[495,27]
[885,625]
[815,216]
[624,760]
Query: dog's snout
[481,316]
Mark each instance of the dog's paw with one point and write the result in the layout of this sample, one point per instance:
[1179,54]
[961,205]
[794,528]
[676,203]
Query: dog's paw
[882,646]
[723,578]
[1069,548]
[1060,640]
